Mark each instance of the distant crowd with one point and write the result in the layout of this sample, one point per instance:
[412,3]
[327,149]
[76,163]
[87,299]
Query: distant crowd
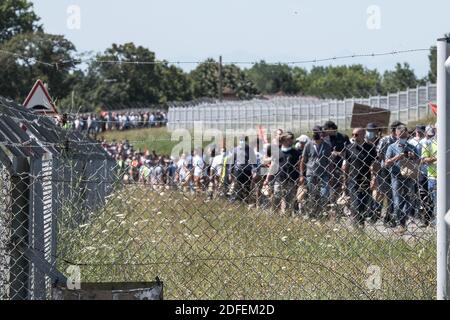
[370,177]
[108,121]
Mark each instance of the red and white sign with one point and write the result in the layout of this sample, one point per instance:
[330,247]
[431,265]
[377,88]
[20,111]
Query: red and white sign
[39,100]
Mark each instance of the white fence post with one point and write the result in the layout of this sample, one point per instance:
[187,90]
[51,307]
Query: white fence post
[309,117]
[443,163]
[408,106]
[345,115]
[417,104]
[292,117]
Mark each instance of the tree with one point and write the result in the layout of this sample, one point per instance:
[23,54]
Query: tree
[76,100]
[401,78]
[17,17]
[42,56]
[90,93]
[112,78]
[432,57]
[140,82]
[342,82]
[236,80]
[302,80]
[272,78]
[175,85]
[205,80]
[127,73]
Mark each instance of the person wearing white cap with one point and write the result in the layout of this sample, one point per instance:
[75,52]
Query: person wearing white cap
[301,142]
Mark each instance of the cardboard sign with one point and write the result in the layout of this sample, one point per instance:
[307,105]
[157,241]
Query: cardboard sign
[363,115]
[39,101]
[111,291]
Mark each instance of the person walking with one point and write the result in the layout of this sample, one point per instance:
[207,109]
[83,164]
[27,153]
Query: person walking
[383,177]
[198,166]
[429,158]
[338,142]
[243,159]
[284,170]
[359,157]
[315,162]
[402,159]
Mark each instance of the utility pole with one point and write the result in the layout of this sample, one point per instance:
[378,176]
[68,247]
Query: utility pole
[443,163]
[73,101]
[220,80]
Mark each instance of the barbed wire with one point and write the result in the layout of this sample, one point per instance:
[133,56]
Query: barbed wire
[338,57]
[29,58]
[156,62]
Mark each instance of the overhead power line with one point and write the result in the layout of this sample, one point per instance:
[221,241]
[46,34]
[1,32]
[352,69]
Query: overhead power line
[60,64]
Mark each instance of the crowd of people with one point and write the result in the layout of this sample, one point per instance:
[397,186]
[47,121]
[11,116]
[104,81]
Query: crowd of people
[94,124]
[370,177]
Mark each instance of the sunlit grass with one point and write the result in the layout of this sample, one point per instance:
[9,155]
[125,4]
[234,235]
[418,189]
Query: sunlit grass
[158,139]
[218,250]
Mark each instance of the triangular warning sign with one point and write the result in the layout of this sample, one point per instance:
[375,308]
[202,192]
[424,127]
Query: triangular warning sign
[39,101]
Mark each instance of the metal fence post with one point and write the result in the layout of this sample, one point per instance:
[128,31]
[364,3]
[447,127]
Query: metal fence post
[20,265]
[56,209]
[443,163]
[36,227]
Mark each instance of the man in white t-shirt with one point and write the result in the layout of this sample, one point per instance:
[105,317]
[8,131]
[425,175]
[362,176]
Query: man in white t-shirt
[77,124]
[217,164]
[182,171]
[217,170]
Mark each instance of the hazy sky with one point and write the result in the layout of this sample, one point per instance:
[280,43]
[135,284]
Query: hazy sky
[282,30]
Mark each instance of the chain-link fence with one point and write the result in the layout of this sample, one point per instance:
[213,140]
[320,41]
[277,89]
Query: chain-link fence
[320,218]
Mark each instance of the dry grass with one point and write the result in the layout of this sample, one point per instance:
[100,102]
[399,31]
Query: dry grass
[218,250]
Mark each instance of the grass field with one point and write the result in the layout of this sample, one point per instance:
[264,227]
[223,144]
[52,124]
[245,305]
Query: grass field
[218,250]
[158,139]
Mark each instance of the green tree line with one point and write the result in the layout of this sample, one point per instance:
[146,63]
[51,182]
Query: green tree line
[28,53]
